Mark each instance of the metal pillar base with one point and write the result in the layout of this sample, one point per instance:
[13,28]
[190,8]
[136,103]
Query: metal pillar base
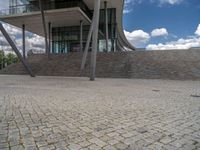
[14,47]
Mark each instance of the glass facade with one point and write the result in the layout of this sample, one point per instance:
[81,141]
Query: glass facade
[67,39]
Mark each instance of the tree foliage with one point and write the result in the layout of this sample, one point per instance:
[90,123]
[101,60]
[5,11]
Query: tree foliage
[7,59]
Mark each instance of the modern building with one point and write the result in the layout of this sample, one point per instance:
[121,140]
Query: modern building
[66,24]
[65,19]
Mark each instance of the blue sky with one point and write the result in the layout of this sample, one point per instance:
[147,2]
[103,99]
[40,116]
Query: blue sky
[179,18]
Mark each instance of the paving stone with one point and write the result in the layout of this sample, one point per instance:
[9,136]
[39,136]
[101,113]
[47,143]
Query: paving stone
[113,142]
[112,134]
[166,140]
[121,146]
[108,147]
[94,147]
[142,130]
[97,142]
[31,148]
[84,144]
[86,129]
[18,147]
[61,113]
[73,146]
[41,144]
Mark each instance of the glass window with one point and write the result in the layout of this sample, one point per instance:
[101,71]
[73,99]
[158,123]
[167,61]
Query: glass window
[67,39]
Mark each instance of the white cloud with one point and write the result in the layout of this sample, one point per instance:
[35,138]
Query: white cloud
[171,2]
[198,30]
[159,32]
[36,42]
[12,30]
[137,37]
[33,42]
[179,44]
[183,43]
[128,5]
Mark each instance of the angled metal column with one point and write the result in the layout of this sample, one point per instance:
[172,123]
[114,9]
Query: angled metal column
[23,41]
[44,27]
[14,47]
[87,46]
[81,36]
[106,23]
[95,39]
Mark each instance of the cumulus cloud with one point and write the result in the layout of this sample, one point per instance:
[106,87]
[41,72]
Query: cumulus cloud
[33,41]
[179,44]
[197,32]
[137,37]
[183,43]
[36,42]
[159,32]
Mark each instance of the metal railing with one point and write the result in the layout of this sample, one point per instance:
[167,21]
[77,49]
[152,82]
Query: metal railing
[20,9]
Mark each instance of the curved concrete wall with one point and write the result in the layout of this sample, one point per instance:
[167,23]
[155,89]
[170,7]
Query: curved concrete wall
[121,36]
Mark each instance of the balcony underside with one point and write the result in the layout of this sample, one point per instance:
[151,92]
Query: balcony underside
[58,18]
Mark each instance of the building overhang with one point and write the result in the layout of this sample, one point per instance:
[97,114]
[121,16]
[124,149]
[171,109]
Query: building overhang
[110,3]
[57,17]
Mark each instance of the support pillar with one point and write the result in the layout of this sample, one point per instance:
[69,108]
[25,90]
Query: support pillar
[23,41]
[85,53]
[106,23]
[81,36]
[14,47]
[49,37]
[44,27]
[95,39]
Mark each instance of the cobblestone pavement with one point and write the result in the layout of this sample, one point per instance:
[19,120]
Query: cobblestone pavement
[73,113]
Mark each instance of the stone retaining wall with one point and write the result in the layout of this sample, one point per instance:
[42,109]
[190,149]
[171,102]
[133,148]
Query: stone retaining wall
[170,64]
